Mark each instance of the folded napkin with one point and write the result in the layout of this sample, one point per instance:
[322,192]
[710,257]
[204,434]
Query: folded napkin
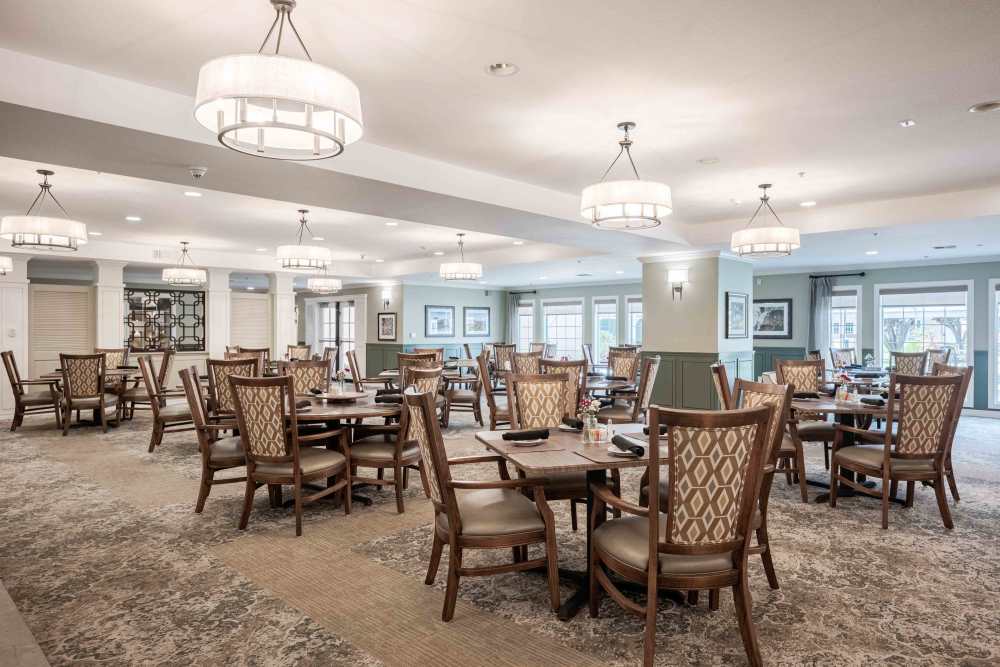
[628,445]
[315,391]
[453,358]
[607,402]
[388,392]
[617,378]
[806,394]
[595,375]
[527,434]
[873,400]
[573,423]
[302,404]
[624,390]
[663,430]
[389,398]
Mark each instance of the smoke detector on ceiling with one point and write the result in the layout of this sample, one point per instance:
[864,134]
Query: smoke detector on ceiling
[197,172]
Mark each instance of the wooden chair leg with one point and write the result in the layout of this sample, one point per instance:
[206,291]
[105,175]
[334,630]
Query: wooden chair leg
[826,455]
[406,477]
[786,464]
[347,490]
[247,503]
[297,493]
[649,641]
[692,598]
[104,419]
[451,594]
[595,586]
[432,566]
[834,490]
[572,514]
[885,504]
[380,474]
[207,475]
[800,465]
[66,420]
[397,476]
[950,472]
[893,488]
[713,600]
[157,436]
[552,566]
[942,501]
[741,596]
[18,418]
[910,488]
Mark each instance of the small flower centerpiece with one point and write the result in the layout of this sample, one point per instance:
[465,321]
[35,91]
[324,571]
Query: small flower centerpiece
[588,409]
[341,377]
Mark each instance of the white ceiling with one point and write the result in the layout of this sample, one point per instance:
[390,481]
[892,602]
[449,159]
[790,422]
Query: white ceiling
[769,88]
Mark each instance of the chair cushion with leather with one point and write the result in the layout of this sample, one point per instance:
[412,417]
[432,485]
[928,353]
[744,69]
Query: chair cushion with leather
[379,450]
[227,451]
[37,398]
[175,413]
[872,456]
[311,460]
[627,540]
[494,512]
[94,402]
[812,431]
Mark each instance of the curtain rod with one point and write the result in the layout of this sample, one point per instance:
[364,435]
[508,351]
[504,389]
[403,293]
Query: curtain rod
[838,275]
[530,291]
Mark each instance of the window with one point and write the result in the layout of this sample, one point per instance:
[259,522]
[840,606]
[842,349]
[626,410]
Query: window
[337,328]
[915,318]
[525,325]
[605,327]
[994,397]
[844,320]
[634,314]
[564,328]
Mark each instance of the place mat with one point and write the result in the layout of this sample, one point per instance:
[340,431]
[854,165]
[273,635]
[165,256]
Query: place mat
[599,454]
[340,397]
[510,447]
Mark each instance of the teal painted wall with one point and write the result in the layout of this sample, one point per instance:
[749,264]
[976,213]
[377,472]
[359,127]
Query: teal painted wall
[587,294]
[415,297]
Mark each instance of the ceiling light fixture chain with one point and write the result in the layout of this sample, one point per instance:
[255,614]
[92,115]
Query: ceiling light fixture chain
[282,12]
[776,241]
[303,224]
[765,201]
[461,270]
[45,191]
[625,147]
[184,272]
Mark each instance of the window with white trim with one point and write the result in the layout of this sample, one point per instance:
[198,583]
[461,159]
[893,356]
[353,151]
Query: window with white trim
[995,341]
[913,319]
[605,328]
[564,328]
[633,314]
[525,325]
[844,320]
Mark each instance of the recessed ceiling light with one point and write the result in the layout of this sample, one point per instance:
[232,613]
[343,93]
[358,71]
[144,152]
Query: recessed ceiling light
[708,160]
[502,69]
[438,252]
[735,202]
[807,204]
[133,218]
[250,287]
[261,249]
[945,247]
[907,122]
[992,105]
[584,275]
[619,272]
[192,193]
[94,233]
[871,252]
[543,277]
[518,242]
[319,238]
[379,261]
[392,224]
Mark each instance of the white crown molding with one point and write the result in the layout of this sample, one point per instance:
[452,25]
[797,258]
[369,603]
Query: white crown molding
[986,259]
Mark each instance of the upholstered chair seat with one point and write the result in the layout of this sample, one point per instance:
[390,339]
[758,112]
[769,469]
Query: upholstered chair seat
[37,398]
[464,395]
[812,431]
[872,456]
[136,393]
[374,450]
[94,402]
[178,412]
[311,460]
[494,512]
[627,539]
[226,452]
[618,413]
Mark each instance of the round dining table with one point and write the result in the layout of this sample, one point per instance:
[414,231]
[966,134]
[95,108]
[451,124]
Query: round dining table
[604,384]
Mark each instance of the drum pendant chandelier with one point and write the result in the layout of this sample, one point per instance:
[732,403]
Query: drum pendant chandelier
[625,205]
[304,258]
[274,106]
[184,274]
[39,232]
[324,284]
[765,241]
[461,270]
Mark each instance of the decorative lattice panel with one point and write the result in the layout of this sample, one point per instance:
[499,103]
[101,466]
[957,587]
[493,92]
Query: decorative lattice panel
[164,319]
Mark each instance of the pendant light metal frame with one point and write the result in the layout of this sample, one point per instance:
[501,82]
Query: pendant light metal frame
[304,258]
[184,275]
[274,106]
[461,270]
[40,232]
[777,241]
[324,284]
[625,204]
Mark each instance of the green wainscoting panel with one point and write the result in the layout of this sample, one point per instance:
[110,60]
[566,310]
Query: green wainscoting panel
[684,379]
[865,351]
[764,357]
[380,356]
[981,380]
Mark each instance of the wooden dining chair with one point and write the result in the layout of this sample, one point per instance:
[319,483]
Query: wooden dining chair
[466,395]
[363,383]
[497,405]
[166,418]
[306,375]
[926,410]
[478,514]
[909,363]
[138,397]
[637,400]
[965,372]
[588,356]
[842,356]
[806,377]
[468,351]
[723,388]
[31,402]
[114,358]
[265,414]
[217,454]
[220,398]
[84,388]
[526,363]
[299,353]
[623,362]
[264,352]
[503,363]
[937,355]
[438,353]
[703,539]
[387,429]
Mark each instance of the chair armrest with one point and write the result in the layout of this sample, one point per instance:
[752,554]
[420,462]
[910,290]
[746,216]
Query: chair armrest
[220,426]
[864,433]
[484,458]
[500,483]
[605,494]
[41,382]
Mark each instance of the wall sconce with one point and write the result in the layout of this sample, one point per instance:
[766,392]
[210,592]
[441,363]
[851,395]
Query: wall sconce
[386,297]
[677,278]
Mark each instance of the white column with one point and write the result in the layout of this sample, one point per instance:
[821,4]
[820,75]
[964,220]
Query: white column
[14,324]
[219,312]
[110,304]
[285,327]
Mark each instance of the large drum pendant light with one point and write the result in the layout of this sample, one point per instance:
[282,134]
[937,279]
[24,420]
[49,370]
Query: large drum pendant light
[41,232]
[765,241]
[304,258]
[184,274]
[461,270]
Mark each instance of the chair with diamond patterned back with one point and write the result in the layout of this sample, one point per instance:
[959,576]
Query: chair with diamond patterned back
[637,398]
[307,375]
[908,363]
[84,389]
[842,356]
[265,413]
[966,373]
[166,418]
[623,362]
[526,363]
[925,408]
[478,514]
[299,353]
[497,404]
[714,461]
[806,377]
[503,364]
[220,398]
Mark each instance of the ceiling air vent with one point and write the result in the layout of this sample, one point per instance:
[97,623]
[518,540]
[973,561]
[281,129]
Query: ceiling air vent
[584,275]
[945,247]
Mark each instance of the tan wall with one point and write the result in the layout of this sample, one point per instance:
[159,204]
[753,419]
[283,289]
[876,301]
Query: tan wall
[686,324]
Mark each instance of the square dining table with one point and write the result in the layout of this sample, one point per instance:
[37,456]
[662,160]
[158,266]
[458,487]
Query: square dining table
[565,451]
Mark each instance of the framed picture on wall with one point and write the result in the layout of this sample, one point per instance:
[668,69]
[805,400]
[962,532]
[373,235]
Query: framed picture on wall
[387,326]
[772,319]
[737,315]
[439,321]
[477,321]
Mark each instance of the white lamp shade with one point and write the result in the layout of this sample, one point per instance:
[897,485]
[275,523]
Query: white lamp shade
[765,241]
[626,204]
[44,233]
[304,258]
[6,265]
[461,271]
[278,107]
[676,276]
[324,285]
[184,275]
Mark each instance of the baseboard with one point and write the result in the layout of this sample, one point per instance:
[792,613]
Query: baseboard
[989,414]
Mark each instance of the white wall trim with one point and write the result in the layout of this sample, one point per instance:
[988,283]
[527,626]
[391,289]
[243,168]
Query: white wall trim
[991,296]
[858,291]
[988,414]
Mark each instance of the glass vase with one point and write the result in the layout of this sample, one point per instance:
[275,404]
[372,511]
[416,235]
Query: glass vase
[592,432]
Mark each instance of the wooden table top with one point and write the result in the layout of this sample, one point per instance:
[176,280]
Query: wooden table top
[832,407]
[393,374]
[321,410]
[111,372]
[596,384]
[563,452]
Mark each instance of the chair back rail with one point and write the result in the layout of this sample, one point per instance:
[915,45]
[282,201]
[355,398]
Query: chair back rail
[908,363]
[421,426]
[307,375]
[526,363]
[10,365]
[482,361]
[536,401]
[153,388]
[623,361]
[438,353]
[720,378]
[842,356]
[503,358]
[219,392]
[83,375]
[576,373]
[926,408]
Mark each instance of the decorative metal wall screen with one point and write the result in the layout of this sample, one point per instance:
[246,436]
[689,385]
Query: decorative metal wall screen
[164,319]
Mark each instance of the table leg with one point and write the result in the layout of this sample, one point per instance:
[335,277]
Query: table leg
[844,491]
[581,597]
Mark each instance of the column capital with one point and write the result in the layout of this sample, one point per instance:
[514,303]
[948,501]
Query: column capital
[19,274]
[282,283]
[110,272]
[218,280]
